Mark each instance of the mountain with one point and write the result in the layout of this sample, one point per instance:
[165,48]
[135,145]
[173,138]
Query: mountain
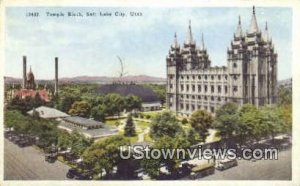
[98,79]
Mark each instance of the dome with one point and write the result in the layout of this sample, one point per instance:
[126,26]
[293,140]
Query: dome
[146,94]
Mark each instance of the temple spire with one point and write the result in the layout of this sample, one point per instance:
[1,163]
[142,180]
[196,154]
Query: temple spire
[202,43]
[189,38]
[253,25]
[175,44]
[239,31]
[266,33]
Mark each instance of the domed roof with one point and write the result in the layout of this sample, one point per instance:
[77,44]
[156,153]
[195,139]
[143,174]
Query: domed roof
[146,94]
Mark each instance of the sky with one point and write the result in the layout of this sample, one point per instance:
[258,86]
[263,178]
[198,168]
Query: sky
[89,46]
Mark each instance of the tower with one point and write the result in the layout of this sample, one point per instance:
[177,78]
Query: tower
[24,72]
[56,77]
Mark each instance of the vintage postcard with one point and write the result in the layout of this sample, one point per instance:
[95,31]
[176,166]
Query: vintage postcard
[114,93]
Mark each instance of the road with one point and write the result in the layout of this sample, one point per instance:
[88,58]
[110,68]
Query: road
[29,164]
[280,169]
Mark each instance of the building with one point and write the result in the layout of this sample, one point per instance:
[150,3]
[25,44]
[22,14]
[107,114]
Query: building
[88,127]
[29,86]
[48,113]
[249,77]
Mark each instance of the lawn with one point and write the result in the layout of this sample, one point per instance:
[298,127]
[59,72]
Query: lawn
[112,122]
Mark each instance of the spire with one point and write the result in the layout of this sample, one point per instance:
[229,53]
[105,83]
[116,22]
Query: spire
[30,69]
[253,26]
[202,43]
[266,33]
[175,44]
[189,38]
[239,31]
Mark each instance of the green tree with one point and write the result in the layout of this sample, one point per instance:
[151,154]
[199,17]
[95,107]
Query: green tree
[80,108]
[98,113]
[201,121]
[105,154]
[284,95]
[129,129]
[226,121]
[66,102]
[133,102]
[164,124]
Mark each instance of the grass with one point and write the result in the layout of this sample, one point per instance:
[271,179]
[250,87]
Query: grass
[132,139]
[142,124]
[112,122]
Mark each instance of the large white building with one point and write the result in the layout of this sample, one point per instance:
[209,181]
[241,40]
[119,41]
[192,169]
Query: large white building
[249,77]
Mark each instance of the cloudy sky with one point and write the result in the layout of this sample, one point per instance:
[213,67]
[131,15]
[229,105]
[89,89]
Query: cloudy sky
[89,45]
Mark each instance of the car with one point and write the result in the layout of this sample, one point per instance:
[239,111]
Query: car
[79,175]
[51,158]
[226,164]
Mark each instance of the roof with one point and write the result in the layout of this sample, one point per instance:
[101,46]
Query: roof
[146,94]
[48,113]
[32,93]
[92,133]
[83,121]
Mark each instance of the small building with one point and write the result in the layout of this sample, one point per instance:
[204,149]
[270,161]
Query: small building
[88,127]
[48,113]
[151,106]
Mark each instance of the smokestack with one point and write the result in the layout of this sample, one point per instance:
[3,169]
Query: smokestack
[56,76]
[24,72]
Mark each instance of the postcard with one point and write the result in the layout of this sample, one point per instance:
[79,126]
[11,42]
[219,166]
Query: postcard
[139,93]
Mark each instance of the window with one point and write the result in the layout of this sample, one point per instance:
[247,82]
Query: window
[219,77]
[212,98]
[199,97]
[171,85]
[205,77]
[187,87]
[181,77]
[226,77]
[234,65]
[193,97]
[225,89]
[187,107]
[212,88]
[235,88]
[181,87]
[219,99]
[193,107]
[193,77]
[212,77]
[205,88]
[199,77]
[193,88]
[170,104]
[187,77]
[205,98]
[199,88]
[187,96]
[181,106]
[212,109]
[219,89]
[235,77]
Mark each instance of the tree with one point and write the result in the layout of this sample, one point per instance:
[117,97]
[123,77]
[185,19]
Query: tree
[201,121]
[152,166]
[105,154]
[226,121]
[98,113]
[164,124]
[249,125]
[80,108]
[192,136]
[133,102]
[66,103]
[129,129]
[284,95]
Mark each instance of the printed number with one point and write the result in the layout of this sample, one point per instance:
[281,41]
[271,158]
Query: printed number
[32,14]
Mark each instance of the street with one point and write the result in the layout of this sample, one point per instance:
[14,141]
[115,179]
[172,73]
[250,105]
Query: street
[29,164]
[280,169]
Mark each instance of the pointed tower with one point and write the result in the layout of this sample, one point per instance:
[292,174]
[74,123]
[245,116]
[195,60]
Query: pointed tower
[24,72]
[239,31]
[253,25]
[202,56]
[266,33]
[189,38]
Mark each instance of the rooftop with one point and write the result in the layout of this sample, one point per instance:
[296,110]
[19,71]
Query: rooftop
[48,113]
[83,121]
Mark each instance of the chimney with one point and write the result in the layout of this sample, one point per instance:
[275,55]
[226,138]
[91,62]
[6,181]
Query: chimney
[56,76]
[24,72]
